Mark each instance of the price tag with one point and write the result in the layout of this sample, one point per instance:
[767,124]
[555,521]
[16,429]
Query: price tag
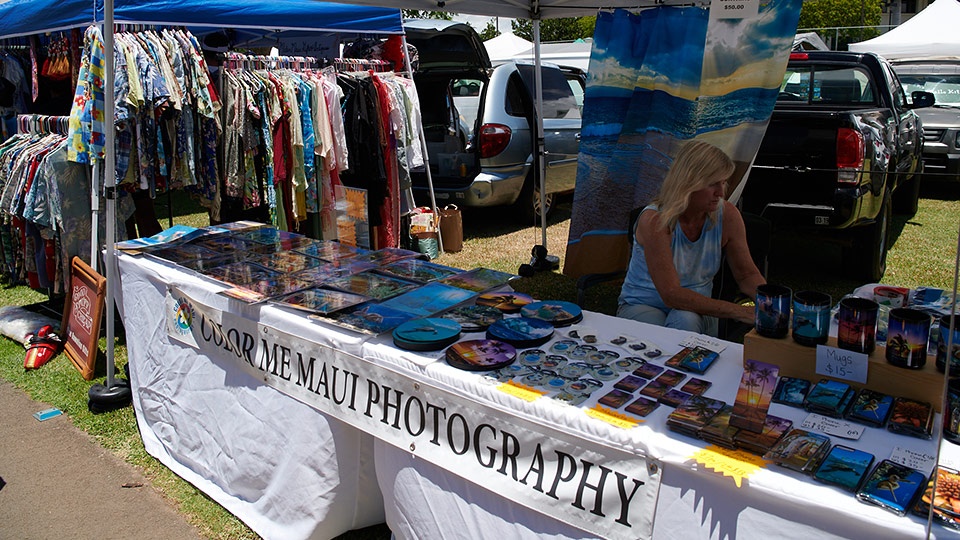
[842,364]
[612,417]
[832,426]
[521,391]
[706,342]
[913,458]
[734,9]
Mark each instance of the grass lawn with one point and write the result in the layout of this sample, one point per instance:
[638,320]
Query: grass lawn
[923,253]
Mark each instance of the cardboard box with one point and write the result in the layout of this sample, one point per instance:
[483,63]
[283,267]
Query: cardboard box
[795,360]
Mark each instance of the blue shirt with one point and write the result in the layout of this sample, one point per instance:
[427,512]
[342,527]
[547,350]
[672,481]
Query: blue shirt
[696,263]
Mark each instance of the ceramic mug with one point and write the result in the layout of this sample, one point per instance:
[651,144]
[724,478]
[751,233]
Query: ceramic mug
[889,296]
[857,325]
[908,331]
[772,311]
[942,345]
[811,317]
[951,412]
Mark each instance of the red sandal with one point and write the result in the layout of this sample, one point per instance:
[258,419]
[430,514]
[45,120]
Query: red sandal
[41,347]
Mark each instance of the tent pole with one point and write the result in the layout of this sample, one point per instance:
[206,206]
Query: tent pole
[540,259]
[94,215]
[540,163]
[423,146]
[109,183]
[112,394]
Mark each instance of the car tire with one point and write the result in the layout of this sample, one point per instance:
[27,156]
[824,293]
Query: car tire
[866,258]
[907,196]
[528,203]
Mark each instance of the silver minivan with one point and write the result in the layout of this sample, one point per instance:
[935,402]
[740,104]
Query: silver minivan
[479,120]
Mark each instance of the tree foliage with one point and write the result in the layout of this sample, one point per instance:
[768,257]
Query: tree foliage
[567,29]
[423,14]
[826,15]
[490,31]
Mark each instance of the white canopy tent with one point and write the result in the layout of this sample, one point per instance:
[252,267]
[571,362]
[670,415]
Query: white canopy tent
[932,32]
[506,46]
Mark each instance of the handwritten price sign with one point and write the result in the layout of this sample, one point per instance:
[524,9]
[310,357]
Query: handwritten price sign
[832,426]
[842,364]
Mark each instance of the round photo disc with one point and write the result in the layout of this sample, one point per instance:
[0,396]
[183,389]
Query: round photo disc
[531,357]
[474,318]
[427,330]
[507,302]
[480,354]
[555,312]
[521,332]
[428,334]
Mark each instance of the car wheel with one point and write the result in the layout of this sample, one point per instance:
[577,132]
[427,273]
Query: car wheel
[866,259]
[908,195]
[529,202]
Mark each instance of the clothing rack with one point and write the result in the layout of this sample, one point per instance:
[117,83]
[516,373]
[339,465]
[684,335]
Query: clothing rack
[255,61]
[362,64]
[38,124]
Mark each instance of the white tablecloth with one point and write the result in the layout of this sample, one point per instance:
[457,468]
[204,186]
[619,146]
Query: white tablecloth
[292,472]
[285,469]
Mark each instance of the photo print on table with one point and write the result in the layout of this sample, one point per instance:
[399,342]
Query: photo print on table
[429,299]
[418,270]
[791,391]
[479,279]
[844,467]
[371,318]
[892,487]
[322,301]
[757,384]
[374,285]
[760,443]
[642,406]
[330,250]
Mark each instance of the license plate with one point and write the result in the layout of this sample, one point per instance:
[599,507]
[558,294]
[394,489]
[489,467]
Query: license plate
[821,220]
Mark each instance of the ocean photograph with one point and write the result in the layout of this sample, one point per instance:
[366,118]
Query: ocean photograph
[658,78]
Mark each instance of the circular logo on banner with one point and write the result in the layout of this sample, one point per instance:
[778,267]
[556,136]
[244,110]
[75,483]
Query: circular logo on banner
[183,316]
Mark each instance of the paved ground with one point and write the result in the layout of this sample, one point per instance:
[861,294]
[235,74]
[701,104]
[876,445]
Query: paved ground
[56,482]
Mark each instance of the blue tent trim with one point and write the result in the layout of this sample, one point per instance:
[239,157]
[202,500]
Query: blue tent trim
[27,17]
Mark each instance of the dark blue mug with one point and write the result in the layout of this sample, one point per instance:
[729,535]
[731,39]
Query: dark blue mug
[772,312]
[811,317]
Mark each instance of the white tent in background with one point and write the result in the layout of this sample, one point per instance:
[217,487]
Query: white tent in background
[507,46]
[564,53]
[809,41]
[932,32]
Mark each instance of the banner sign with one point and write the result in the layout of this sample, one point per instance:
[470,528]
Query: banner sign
[657,79]
[605,491]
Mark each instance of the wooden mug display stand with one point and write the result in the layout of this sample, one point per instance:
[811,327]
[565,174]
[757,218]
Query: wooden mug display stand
[795,360]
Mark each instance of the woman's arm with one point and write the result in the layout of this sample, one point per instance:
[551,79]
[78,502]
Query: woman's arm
[656,243]
[737,250]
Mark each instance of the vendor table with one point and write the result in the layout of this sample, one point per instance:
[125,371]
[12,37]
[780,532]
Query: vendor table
[270,456]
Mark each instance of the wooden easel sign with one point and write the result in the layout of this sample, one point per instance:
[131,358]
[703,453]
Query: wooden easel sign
[81,316]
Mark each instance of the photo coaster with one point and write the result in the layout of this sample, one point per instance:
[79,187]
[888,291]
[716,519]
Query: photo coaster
[480,355]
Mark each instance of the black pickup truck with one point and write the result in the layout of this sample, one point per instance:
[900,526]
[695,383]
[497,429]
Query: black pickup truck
[841,152]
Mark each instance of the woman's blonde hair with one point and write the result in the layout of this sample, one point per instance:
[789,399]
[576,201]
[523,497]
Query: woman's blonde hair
[697,165]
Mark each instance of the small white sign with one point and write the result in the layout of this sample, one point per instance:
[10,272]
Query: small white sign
[842,364]
[913,458]
[706,342]
[734,9]
[832,426]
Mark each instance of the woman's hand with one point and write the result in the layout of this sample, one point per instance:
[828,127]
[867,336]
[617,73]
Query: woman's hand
[746,314]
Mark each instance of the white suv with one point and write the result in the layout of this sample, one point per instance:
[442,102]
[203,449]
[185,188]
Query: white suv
[479,122]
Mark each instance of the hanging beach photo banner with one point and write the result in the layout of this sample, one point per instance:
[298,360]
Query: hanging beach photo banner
[658,78]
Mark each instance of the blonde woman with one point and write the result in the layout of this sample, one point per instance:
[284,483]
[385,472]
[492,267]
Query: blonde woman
[679,240]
